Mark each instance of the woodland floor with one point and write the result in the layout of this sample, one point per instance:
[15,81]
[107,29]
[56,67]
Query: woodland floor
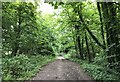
[61,69]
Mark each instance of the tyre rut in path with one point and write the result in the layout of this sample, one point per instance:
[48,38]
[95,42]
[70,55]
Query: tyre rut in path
[61,69]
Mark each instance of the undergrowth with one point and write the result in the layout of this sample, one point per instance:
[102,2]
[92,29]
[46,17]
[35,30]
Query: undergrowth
[23,67]
[96,71]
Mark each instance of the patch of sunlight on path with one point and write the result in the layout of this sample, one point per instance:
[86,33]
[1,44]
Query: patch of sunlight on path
[60,57]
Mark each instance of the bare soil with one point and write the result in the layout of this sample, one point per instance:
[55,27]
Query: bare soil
[62,69]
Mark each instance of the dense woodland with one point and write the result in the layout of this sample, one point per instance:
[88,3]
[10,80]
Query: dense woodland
[84,32]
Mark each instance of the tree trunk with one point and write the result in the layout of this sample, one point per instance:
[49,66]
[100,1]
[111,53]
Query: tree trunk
[17,31]
[82,47]
[92,47]
[78,41]
[109,14]
[88,51]
[79,47]
[74,38]
[102,30]
[91,34]
[114,31]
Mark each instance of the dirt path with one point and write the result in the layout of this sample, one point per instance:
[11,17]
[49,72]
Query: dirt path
[61,69]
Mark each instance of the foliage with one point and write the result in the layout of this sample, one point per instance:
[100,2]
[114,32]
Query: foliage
[26,40]
[23,26]
[85,30]
[93,31]
[23,67]
[97,71]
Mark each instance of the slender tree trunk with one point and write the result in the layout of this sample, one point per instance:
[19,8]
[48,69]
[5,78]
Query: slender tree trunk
[82,47]
[92,47]
[88,51]
[109,13]
[74,38]
[78,41]
[90,33]
[17,30]
[117,37]
[114,31]
[102,30]
[105,16]
[79,46]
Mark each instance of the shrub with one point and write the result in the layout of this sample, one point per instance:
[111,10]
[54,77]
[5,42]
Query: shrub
[22,66]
